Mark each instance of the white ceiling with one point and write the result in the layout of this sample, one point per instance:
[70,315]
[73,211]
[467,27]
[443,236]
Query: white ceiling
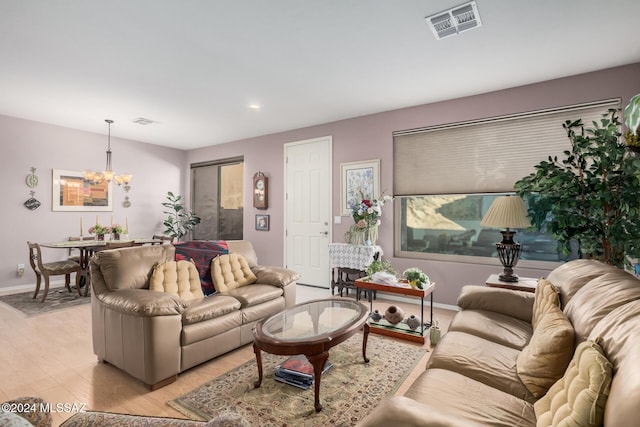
[194,66]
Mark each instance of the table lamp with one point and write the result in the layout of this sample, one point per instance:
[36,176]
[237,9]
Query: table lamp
[507,212]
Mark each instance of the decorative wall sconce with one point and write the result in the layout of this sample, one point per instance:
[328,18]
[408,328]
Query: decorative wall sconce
[32,182]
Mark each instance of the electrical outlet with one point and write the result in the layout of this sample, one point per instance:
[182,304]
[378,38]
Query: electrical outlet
[20,269]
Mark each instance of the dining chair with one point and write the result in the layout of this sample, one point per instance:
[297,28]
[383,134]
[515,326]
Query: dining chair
[56,268]
[162,239]
[115,244]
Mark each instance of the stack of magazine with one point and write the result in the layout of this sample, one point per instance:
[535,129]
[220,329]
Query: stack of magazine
[297,371]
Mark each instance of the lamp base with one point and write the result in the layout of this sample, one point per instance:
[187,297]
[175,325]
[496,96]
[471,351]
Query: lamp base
[508,254]
[511,278]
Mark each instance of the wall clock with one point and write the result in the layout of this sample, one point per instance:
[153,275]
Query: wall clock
[260,191]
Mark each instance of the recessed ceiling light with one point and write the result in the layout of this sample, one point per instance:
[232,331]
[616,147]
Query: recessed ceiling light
[254,106]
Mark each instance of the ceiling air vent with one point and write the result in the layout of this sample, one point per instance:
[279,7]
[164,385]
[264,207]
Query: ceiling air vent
[142,121]
[454,21]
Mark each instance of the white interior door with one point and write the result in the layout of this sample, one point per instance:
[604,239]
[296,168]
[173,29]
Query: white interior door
[308,209]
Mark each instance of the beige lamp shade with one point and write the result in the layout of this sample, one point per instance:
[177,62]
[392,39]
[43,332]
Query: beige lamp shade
[506,212]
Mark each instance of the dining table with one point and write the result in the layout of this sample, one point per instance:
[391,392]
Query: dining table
[88,247]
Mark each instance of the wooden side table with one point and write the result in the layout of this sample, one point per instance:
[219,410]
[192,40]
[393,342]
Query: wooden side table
[348,263]
[346,279]
[400,330]
[526,284]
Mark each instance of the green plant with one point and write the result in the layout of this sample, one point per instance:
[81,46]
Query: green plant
[632,139]
[381,265]
[632,114]
[632,120]
[416,276]
[179,221]
[591,196]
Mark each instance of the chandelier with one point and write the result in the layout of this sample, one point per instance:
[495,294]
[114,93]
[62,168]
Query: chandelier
[108,174]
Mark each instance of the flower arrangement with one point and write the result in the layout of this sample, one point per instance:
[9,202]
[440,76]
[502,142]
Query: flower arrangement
[117,229]
[99,230]
[366,213]
[366,216]
[416,277]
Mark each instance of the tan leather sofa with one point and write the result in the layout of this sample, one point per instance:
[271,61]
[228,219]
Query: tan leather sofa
[472,377]
[153,335]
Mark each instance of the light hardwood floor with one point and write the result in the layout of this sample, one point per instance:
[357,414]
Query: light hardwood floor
[51,356]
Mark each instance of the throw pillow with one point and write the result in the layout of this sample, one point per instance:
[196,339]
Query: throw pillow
[230,272]
[179,278]
[546,296]
[579,397]
[544,360]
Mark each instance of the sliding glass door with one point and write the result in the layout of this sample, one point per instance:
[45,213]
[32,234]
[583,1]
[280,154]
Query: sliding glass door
[217,189]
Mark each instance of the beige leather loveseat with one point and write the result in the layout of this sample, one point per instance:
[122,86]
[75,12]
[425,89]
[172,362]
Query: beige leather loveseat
[511,359]
[154,335]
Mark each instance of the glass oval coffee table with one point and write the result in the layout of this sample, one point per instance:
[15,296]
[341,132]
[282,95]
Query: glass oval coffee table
[311,328]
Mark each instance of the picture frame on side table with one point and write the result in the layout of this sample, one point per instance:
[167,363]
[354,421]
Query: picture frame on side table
[358,180]
[71,192]
[262,222]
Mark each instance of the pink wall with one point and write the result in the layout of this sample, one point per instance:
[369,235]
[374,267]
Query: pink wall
[370,137]
[158,170]
[26,143]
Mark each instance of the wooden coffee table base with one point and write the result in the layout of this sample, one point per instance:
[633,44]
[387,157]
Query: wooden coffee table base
[316,359]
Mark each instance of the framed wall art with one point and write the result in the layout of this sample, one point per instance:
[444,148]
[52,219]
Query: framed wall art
[358,180]
[71,192]
[262,222]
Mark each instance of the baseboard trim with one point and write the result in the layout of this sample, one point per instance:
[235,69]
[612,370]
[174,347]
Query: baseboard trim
[312,286]
[30,287]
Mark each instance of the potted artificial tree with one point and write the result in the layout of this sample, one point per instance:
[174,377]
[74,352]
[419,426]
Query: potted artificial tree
[591,196]
[179,221]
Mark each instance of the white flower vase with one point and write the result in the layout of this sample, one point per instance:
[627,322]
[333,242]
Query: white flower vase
[372,233]
[357,235]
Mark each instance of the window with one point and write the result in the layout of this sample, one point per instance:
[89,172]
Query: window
[447,176]
[443,226]
[218,199]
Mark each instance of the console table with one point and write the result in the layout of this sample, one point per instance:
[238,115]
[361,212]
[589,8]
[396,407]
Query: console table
[349,262]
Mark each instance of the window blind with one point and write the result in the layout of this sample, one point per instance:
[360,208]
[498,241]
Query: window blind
[484,156]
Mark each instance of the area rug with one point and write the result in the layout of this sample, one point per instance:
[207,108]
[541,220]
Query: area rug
[57,299]
[348,392]
[109,419]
